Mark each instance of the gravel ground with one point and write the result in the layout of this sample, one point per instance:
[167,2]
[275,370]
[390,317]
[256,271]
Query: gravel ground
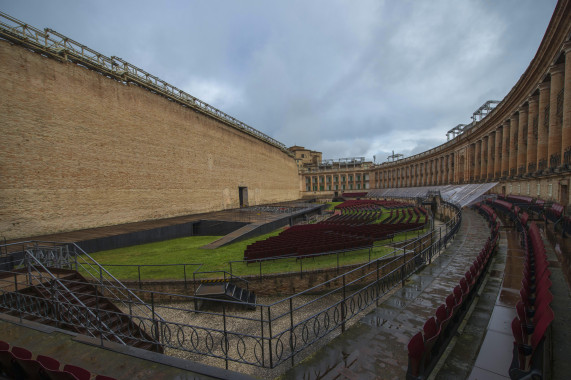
[207,331]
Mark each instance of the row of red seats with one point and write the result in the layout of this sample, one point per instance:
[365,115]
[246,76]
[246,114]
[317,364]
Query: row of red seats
[18,363]
[425,347]
[305,244]
[354,195]
[352,219]
[370,202]
[322,238]
[534,314]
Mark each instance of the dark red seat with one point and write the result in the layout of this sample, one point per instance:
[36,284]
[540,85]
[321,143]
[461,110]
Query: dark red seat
[451,305]
[20,355]
[102,377]
[458,295]
[6,359]
[464,287]
[431,334]
[48,363]
[415,357]
[69,372]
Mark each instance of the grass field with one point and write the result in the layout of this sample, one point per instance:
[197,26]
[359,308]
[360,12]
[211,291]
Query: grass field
[161,258]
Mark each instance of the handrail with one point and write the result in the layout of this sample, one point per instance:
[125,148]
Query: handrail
[280,330]
[30,264]
[65,48]
[115,284]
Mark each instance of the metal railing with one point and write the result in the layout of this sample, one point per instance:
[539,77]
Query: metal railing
[56,45]
[275,332]
[71,256]
[344,258]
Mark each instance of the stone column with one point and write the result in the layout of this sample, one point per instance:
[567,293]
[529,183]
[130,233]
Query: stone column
[513,149]
[505,149]
[521,141]
[498,153]
[477,159]
[452,166]
[532,131]
[555,115]
[543,125]
[491,155]
[484,158]
[566,127]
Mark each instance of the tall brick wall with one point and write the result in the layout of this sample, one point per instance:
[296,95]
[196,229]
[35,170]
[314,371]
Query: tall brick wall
[81,150]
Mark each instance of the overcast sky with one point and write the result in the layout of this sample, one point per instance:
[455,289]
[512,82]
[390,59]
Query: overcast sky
[347,78]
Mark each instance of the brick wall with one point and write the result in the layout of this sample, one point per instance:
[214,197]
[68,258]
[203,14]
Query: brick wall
[81,150]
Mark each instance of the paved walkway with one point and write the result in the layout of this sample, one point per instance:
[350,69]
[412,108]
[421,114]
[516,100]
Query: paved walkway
[376,346]
[482,349]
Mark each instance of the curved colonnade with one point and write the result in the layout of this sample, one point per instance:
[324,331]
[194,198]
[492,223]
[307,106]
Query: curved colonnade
[526,139]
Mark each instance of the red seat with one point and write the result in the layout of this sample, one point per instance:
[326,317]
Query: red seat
[69,372]
[6,358]
[48,363]
[451,305]
[415,356]
[431,334]
[102,377]
[464,287]
[458,295]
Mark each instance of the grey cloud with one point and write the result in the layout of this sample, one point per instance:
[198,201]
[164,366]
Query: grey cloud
[347,78]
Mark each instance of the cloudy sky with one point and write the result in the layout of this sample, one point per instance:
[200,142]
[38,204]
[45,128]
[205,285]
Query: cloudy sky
[348,78]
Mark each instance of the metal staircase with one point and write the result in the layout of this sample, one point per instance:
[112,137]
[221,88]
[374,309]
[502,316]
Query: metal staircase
[229,291]
[45,286]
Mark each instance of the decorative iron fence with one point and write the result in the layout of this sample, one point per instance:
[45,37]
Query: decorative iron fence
[268,336]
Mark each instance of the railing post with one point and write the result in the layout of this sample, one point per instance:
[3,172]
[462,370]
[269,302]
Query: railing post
[291,346]
[98,315]
[226,344]
[378,285]
[56,304]
[75,257]
[343,307]
[130,307]
[184,270]
[17,296]
[402,270]
[139,271]
[301,268]
[155,322]
[270,336]
[260,270]
[262,334]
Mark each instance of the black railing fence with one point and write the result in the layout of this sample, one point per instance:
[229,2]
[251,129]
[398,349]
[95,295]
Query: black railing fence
[267,336]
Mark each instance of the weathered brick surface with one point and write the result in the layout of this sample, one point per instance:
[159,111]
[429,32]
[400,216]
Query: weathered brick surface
[81,150]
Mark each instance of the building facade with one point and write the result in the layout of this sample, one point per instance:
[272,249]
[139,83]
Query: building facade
[524,143]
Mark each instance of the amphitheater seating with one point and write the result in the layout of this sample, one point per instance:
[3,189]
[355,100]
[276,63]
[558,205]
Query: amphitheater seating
[19,363]
[425,349]
[354,195]
[531,326]
[555,212]
[354,228]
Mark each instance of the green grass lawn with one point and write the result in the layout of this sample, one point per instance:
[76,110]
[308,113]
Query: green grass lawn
[187,251]
[177,251]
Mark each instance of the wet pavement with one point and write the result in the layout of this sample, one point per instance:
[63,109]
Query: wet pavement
[376,346]
[483,348]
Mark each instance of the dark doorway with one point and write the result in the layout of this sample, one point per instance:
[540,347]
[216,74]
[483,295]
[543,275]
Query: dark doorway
[504,191]
[564,195]
[243,193]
